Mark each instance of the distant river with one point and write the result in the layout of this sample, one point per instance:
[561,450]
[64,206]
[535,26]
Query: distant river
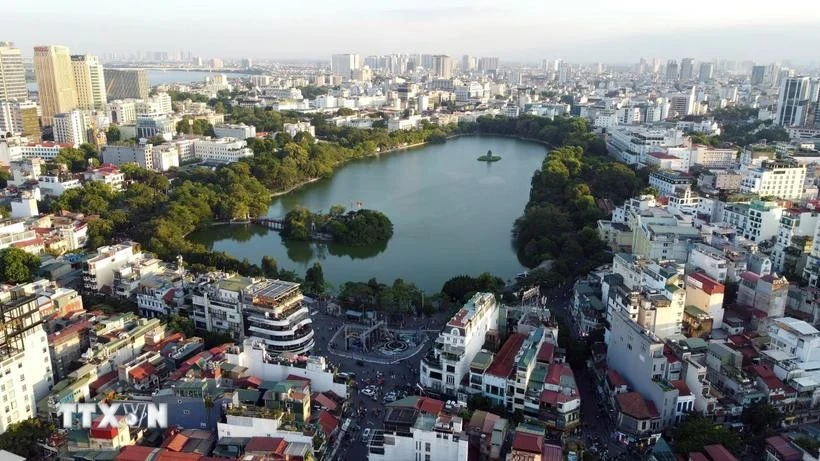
[451,214]
[159,77]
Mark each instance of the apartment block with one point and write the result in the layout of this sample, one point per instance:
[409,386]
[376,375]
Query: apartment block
[446,364]
[98,272]
[124,84]
[775,178]
[767,293]
[222,151]
[706,294]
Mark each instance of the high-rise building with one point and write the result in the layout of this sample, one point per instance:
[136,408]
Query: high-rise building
[672,70]
[793,102]
[12,74]
[705,71]
[344,64]
[468,63]
[89,80]
[487,64]
[25,355]
[124,84]
[20,117]
[443,66]
[55,81]
[69,128]
[687,70]
[758,75]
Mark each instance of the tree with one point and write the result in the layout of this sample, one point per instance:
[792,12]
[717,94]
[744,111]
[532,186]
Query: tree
[345,111]
[697,431]
[182,325]
[156,140]
[18,266]
[4,178]
[315,279]
[22,438]
[270,267]
[762,419]
[112,134]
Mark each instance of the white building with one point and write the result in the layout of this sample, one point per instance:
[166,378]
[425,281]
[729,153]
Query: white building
[412,433]
[299,127]
[710,260]
[460,340]
[775,178]
[54,186]
[632,144]
[223,150]
[161,157]
[795,337]
[69,128]
[20,117]
[669,183]
[344,64]
[123,111]
[98,272]
[89,81]
[240,131]
[25,359]
[107,173]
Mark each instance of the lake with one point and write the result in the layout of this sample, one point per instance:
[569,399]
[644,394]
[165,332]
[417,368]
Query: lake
[159,77]
[451,214]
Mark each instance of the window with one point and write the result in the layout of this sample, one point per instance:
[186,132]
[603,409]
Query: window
[427,447]
[186,412]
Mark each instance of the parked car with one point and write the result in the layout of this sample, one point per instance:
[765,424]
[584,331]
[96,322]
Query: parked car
[366,435]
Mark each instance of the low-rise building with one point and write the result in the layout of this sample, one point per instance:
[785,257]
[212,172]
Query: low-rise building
[223,150]
[239,131]
[107,173]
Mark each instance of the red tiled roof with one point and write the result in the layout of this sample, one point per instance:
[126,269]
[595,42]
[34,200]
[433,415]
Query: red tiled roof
[325,401]
[772,382]
[136,453]
[504,361]
[142,371]
[28,243]
[296,378]
[761,370]
[719,453]
[552,453]
[554,397]
[68,332]
[558,370]
[176,443]
[103,380]
[783,448]
[174,456]
[749,276]
[697,456]
[428,405]
[546,353]
[683,389]
[328,422]
[528,443]
[633,404]
[615,378]
[707,284]
[266,445]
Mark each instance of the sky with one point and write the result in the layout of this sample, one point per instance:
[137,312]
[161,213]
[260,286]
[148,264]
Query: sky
[583,31]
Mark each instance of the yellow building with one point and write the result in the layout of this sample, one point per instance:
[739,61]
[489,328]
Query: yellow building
[55,81]
[89,81]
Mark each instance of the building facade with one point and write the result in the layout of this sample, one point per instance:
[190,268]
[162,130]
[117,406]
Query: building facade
[124,84]
[55,81]
[89,80]
[12,74]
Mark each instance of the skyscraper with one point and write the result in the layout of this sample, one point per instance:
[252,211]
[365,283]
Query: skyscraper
[343,64]
[70,128]
[487,64]
[687,70]
[705,71]
[89,80]
[443,66]
[123,84]
[793,102]
[758,75]
[55,81]
[672,70]
[12,74]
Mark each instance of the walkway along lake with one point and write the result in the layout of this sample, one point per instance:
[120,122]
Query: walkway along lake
[451,214]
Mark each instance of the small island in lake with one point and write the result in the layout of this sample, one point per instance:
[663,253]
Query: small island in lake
[489,157]
[354,228]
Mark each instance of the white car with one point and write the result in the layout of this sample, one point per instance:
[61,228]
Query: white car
[368,391]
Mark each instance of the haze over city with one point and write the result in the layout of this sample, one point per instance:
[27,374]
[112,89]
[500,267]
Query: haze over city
[596,30]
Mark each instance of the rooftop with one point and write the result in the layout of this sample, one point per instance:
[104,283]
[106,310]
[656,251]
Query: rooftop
[634,405]
[504,361]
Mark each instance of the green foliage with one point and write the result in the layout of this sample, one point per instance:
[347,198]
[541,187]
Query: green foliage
[182,96]
[356,228]
[461,288]
[198,127]
[18,266]
[762,420]
[314,280]
[112,134]
[76,160]
[697,431]
[809,444]
[310,92]
[182,325]
[4,178]
[400,297]
[344,111]
[22,438]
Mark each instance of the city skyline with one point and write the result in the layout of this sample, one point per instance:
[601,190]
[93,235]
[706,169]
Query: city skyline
[521,31]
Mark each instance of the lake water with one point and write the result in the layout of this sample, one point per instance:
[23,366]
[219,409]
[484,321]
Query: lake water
[159,77]
[451,214]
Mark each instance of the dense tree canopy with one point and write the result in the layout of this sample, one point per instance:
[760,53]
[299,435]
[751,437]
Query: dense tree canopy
[459,289]
[696,432]
[17,266]
[399,297]
[356,228]
[22,438]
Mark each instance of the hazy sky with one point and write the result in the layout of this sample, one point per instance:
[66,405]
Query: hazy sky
[586,30]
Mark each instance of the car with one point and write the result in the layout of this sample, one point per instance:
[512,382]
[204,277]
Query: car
[368,391]
[366,435]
